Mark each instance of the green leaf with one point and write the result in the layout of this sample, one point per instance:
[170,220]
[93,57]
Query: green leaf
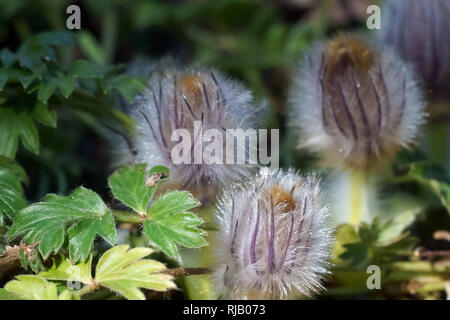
[369,245]
[32,287]
[64,270]
[127,86]
[66,85]
[172,203]
[345,234]
[91,48]
[404,210]
[14,125]
[170,222]
[3,243]
[83,233]
[84,69]
[56,38]
[123,271]
[32,52]
[433,177]
[15,168]
[128,184]
[11,192]
[7,57]
[23,76]
[44,114]
[47,88]
[26,78]
[68,295]
[47,221]
[6,295]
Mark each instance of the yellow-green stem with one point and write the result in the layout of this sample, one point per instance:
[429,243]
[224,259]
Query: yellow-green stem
[199,287]
[357,185]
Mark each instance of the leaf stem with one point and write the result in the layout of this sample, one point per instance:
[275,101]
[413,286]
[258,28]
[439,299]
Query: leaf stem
[127,217]
[176,272]
[87,289]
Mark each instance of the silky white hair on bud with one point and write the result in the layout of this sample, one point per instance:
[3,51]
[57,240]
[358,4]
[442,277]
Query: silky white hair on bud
[175,99]
[275,237]
[355,104]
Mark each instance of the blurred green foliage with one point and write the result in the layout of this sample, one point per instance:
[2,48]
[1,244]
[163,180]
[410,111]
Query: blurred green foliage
[59,90]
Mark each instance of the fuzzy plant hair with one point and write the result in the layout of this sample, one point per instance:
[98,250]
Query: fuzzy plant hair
[275,238]
[175,99]
[419,30]
[354,103]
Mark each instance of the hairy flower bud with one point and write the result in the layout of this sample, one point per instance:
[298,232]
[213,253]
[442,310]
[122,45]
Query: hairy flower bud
[180,99]
[354,104]
[419,31]
[275,239]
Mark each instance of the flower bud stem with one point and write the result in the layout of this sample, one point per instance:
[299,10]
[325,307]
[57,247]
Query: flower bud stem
[357,194]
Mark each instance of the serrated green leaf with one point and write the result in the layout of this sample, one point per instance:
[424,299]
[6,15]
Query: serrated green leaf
[11,193]
[172,203]
[66,85]
[23,76]
[32,287]
[14,125]
[15,168]
[26,78]
[64,270]
[345,234]
[29,135]
[128,185]
[47,88]
[127,86]
[7,57]
[84,69]
[123,271]
[432,177]
[3,231]
[31,54]
[47,221]
[83,233]
[44,114]
[23,259]
[356,254]
[170,222]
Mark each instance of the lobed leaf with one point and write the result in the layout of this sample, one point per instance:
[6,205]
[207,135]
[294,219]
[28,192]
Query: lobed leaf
[170,222]
[123,271]
[64,270]
[47,221]
[128,184]
[15,125]
[30,287]
[432,177]
[11,191]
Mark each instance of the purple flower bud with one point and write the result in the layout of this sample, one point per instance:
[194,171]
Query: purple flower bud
[178,99]
[419,31]
[355,104]
[275,237]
